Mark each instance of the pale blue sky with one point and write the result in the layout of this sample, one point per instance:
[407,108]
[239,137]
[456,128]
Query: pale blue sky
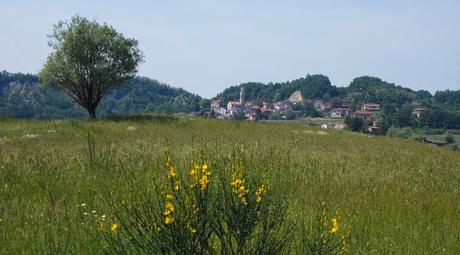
[204,46]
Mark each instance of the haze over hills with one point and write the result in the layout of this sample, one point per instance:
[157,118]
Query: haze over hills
[22,96]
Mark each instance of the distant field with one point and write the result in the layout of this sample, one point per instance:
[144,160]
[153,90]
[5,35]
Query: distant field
[442,137]
[438,135]
[314,121]
[395,196]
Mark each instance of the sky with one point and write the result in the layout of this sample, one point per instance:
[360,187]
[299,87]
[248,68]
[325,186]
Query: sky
[205,46]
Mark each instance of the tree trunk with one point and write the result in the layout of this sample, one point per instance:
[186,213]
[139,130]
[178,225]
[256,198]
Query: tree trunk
[92,112]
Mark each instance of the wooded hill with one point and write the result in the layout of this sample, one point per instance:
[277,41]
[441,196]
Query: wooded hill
[22,96]
[361,89]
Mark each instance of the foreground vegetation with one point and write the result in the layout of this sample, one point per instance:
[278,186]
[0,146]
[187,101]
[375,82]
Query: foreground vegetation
[60,181]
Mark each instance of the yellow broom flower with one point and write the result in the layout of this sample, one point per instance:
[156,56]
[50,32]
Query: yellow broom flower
[177,185]
[169,219]
[169,207]
[172,172]
[260,192]
[114,227]
[204,182]
[335,226]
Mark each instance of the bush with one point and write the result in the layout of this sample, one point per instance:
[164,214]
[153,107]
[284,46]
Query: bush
[327,236]
[355,124]
[205,212]
[450,139]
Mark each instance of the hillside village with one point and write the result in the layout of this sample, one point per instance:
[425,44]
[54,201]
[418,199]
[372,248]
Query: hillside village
[295,108]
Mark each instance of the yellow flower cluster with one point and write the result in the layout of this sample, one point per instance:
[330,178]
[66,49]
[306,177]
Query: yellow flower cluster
[260,192]
[200,178]
[114,227]
[169,209]
[176,185]
[238,186]
[335,226]
[172,172]
[171,169]
[191,228]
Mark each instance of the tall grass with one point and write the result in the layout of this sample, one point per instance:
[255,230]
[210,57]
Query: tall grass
[395,196]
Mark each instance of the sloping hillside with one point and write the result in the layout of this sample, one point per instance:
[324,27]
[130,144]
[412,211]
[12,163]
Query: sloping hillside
[312,86]
[22,96]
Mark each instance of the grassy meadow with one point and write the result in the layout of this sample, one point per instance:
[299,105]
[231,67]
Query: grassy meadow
[395,196]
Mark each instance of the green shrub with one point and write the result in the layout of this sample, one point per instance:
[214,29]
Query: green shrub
[326,236]
[202,212]
[450,139]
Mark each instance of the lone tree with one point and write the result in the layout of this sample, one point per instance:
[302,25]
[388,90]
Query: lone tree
[88,59]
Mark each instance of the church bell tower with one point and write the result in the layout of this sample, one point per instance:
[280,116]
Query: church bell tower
[242,97]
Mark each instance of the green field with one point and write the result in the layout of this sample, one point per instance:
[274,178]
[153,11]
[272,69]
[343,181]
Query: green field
[442,138]
[395,196]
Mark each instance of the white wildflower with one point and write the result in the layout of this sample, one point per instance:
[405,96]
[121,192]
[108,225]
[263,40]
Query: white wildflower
[131,128]
[29,136]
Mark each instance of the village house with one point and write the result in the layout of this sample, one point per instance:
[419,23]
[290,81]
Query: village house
[253,108]
[417,112]
[220,111]
[318,105]
[372,107]
[340,112]
[327,106]
[267,107]
[251,116]
[233,105]
[236,108]
[215,103]
[362,115]
[251,111]
[280,106]
[373,128]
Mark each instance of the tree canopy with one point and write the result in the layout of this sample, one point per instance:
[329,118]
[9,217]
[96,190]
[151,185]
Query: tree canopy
[88,59]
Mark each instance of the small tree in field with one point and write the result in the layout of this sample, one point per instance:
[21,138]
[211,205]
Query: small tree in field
[88,59]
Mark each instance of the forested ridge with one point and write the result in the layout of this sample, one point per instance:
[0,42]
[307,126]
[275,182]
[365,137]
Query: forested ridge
[22,96]
[361,90]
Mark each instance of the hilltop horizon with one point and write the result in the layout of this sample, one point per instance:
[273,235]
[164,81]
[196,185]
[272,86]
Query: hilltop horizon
[264,83]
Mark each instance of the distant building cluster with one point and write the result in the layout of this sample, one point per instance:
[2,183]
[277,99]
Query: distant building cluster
[249,110]
[235,109]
